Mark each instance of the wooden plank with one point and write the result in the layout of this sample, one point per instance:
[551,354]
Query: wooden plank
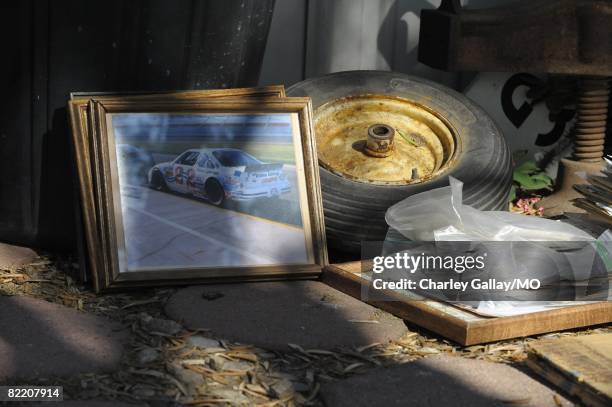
[582,366]
[577,316]
[460,325]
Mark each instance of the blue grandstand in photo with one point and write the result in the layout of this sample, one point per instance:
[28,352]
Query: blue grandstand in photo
[215,128]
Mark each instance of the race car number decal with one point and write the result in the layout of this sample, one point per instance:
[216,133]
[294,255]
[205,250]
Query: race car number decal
[178,175]
[190,177]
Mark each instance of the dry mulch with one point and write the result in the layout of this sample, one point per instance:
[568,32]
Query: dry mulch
[166,364]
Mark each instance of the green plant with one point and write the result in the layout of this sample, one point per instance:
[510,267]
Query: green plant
[528,179]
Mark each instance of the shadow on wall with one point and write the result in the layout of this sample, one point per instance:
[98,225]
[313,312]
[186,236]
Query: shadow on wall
[400,28]
[54,48]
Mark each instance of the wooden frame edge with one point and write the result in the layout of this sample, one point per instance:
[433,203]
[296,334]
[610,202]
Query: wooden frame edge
[80,114]
[300,106]
[259,91]
[466,333]
[500,328]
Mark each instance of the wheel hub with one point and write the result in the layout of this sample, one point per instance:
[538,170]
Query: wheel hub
[382,140]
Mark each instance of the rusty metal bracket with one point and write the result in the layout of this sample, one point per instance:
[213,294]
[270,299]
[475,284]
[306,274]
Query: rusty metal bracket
[560,36]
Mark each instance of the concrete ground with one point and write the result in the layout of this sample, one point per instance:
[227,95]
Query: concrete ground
[11,255]
[442,381]
[273,315]
[40,339]
[195,346]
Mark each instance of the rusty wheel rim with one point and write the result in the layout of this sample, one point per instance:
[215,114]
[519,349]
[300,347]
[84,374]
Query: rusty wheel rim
[423,144]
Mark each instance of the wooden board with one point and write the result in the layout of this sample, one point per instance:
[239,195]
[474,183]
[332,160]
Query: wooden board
[460,325]
[582,366]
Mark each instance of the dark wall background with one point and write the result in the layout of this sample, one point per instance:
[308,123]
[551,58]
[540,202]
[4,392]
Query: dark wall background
[52,48]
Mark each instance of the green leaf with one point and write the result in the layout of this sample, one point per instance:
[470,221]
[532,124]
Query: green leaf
[529,177]
[542,177]
[528,166]
[528,182]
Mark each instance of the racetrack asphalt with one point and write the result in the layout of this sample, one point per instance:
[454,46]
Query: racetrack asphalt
[168,230]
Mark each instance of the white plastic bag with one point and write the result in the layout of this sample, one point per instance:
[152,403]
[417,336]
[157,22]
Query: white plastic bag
[549,250]
[439,215]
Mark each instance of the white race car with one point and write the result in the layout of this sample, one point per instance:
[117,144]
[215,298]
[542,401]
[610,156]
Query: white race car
[217,174]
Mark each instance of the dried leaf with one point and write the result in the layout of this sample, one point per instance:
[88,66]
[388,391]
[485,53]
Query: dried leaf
[296,347]
[364,321]
[319,352]
[244,356]
[161,375]
[352,367]
[138,303]
[313,393]
[428,351]
[366,347]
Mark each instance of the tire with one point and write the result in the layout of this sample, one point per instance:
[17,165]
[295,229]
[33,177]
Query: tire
[158,182]
[354,211]
[215,194]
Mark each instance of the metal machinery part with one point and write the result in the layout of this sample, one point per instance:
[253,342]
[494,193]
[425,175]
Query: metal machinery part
[383,136]
[592,115]
[380,142]
[412,145]
[572,37]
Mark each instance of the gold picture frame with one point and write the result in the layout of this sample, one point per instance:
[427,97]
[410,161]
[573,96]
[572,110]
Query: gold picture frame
[100,189]
[79,118]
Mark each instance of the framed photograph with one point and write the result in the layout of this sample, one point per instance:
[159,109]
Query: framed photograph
[206,190]
[78,108]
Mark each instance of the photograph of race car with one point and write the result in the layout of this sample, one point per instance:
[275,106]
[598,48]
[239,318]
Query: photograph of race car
[209,190]
[220,174]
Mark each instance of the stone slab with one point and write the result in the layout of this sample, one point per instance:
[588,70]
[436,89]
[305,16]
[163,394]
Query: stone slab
[41,339]
[442,381]
[11,256]
[274,314]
